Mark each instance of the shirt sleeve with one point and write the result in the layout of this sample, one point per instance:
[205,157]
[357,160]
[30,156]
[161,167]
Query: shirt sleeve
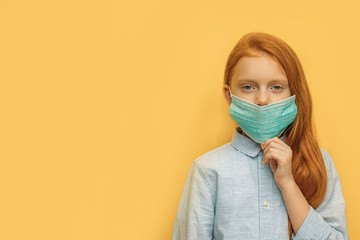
[328,221]
[195,213]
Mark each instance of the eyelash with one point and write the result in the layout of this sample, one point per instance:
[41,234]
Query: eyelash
[243,87]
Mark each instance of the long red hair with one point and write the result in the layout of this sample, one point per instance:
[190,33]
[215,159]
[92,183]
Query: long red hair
[308,166]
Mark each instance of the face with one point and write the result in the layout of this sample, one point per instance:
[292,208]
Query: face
[260,80]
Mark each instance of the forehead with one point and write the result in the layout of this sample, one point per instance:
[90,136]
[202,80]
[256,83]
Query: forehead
[259,69]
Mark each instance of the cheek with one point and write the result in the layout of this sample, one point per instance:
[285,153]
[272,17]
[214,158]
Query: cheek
[247,98]
[287,93]
[279,97]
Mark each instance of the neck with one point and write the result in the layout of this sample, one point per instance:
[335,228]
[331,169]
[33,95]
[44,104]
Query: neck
[243,133]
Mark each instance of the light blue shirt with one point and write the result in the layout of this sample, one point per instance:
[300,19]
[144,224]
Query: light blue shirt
[229,194]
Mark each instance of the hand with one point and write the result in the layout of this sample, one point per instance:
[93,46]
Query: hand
[279,155]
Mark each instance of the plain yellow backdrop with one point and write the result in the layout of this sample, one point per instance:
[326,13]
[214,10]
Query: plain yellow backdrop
[105,104]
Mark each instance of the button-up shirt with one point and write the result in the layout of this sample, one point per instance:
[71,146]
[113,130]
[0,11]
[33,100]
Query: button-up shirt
[230,194]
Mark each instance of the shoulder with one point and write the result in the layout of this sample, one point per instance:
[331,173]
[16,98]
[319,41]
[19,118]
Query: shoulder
[334,193]
[333,177]
[326,156]
[215,157]
[212,163]
[328,160]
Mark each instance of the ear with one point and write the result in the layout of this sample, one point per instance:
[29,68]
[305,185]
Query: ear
[226,94]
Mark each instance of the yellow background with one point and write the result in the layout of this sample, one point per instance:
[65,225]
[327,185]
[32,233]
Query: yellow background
[105,104]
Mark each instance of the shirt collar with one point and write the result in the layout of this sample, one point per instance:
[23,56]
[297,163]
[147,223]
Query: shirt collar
[247,145]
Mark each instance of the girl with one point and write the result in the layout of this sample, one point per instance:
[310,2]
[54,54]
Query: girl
[272,180]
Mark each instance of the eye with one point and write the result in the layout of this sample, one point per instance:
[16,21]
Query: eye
[246,87]
[277,88]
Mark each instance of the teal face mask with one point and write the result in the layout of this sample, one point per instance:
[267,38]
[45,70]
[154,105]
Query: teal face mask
[261,123]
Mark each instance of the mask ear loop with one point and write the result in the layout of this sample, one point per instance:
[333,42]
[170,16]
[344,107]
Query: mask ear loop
[230,92]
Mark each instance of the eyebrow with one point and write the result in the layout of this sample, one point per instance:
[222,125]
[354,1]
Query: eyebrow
[253,80]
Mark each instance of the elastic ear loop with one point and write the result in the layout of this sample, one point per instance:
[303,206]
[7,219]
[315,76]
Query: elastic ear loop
[231,93]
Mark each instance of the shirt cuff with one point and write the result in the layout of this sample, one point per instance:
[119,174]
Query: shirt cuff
[314,227]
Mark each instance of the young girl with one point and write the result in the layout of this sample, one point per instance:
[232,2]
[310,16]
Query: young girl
[272,180]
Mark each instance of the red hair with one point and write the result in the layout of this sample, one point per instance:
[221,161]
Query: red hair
[308,166]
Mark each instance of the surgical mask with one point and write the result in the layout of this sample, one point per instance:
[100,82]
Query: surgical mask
[261,123]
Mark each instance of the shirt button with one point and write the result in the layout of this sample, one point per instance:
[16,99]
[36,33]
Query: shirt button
[266,203]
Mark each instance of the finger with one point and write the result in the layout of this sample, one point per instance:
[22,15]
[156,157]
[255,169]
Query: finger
[274,154]
[274,145]
[281,142]
[267,142]
[275,140]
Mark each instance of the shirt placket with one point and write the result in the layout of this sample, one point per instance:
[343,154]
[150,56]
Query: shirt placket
[266,196]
